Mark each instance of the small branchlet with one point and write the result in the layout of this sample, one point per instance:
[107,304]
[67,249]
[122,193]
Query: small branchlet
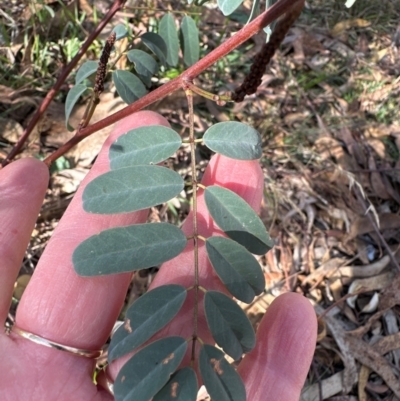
[254,78]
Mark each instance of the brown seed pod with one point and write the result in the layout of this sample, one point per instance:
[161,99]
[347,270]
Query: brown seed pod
[253,80]
[102,68]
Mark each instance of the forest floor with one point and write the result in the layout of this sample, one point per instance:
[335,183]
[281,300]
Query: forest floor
[329,116]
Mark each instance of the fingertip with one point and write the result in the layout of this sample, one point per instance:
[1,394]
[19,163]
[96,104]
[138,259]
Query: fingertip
[286,341]
[27,169]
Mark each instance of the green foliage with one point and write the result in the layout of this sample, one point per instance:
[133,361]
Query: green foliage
[237,219]
[181,387]
[221,380]
[190,41]
[228,324]
[126,249]
[149,370]
[150,313]
[236,267]
[235,140]
[144,145]
[168,32]
[73,96]
[128,86]
[134,183]
[145,65]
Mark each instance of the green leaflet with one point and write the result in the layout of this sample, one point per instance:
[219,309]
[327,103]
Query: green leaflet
[149,370]
[167,30]
[131,188]
[120,31]
[126,249]
[145,65]
[190,41]
[144,145]
[73,96]
[236,267]
[86,70]
[181,387]
[222,381]
[229,6]
[128,86]
[147,315]
[228,324]
[237,219]
[156,44]
[234,139]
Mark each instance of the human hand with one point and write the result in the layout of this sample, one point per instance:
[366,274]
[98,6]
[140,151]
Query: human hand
[60,306]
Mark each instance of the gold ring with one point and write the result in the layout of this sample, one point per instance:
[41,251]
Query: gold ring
[51,344]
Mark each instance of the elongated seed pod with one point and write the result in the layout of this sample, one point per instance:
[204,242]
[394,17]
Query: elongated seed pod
[253,80]
[102,68]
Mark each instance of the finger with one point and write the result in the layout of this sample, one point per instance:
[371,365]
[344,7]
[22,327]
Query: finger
[277,368]
[58,304]
[22,187]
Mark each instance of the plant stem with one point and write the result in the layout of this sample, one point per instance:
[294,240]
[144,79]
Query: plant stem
[232,43]
[189,96]
[117,5]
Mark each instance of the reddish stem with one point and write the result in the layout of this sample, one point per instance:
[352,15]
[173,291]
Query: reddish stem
[63,76]
[225,48]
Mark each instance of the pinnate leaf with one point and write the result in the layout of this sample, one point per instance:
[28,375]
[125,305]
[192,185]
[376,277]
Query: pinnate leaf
[156,44]
[228,324]
[145,64]
[147,315]
[149,370]
[234,139]
[190,41]
[73,96]
[131,188]
[222,381]
[128,86]
[237,219]
[126,249]
[229,6]
[144,145]
[182,386]
[86,70]
[168,32]
[237,268]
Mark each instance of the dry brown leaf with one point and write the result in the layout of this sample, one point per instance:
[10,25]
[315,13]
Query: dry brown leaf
[376,180]
[365,354]
[363,225]
[342,26]
[367,270]
[362,382]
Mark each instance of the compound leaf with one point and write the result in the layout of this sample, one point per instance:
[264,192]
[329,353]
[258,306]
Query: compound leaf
[156,44]
[229,6]
[120,31]
[228,324]
[73,96]
[237,219]
[147,315]
[86,70]
[190,41]
[237,268]
[131,188]
[222,381]
[149,370]
[128,86]
[234,139]
[145,145]
[168,32]
[145,65]
[182,386]
[126,249]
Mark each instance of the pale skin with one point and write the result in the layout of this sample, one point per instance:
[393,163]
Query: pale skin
[80,312]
